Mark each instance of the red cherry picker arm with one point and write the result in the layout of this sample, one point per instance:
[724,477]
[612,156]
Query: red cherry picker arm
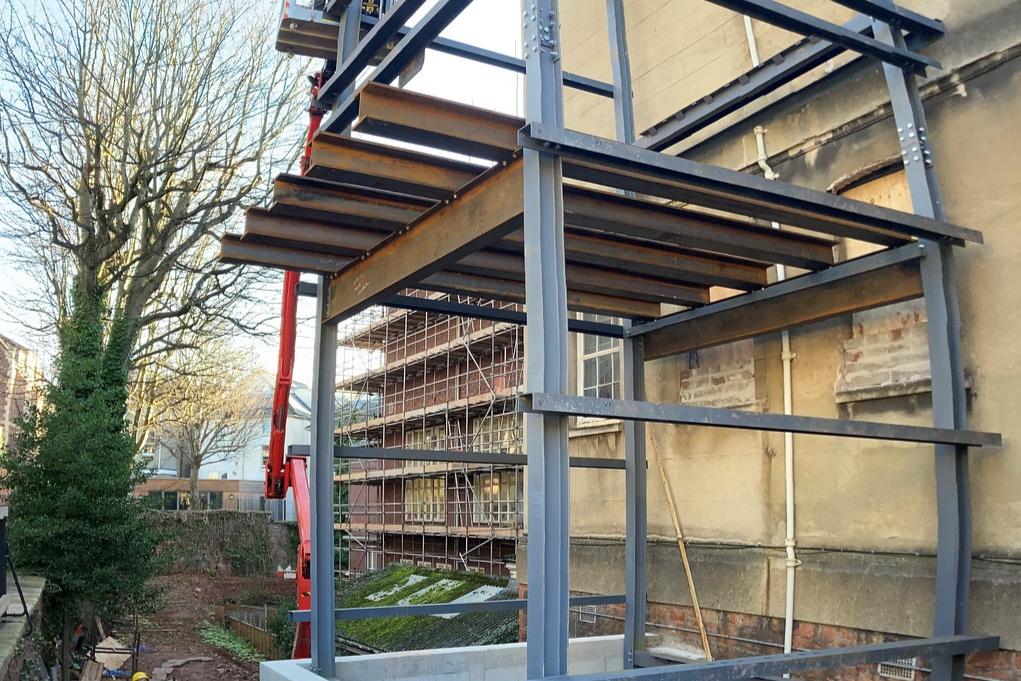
[291,472]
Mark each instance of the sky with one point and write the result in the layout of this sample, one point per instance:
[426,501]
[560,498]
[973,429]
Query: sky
[492,24]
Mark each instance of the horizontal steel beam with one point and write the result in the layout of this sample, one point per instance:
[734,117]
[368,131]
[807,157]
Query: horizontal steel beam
[414,118]
[327,203]
[792,663]
[360,206]
[514,291]
[344,160]
[904,19]
[680,414]
[623,166]
[804,24]
[504,61]
[498,458]
[480,214]
[884,278]
[495,314]
[447,608]
[688,229]
[234,249]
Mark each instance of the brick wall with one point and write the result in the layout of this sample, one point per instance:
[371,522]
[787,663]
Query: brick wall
[733,635]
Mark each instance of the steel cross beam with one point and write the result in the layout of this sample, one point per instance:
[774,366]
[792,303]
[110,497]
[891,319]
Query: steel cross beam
[479,214]
[904,19]
[679,414]
[496,458]
[373,41]
[417,39]
[503,61]
[774,665]
[495,314]
[782,68]
[875,280]
[804,24]
[594,159]
[447,608]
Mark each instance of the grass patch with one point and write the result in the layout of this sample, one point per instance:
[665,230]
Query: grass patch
[225,639]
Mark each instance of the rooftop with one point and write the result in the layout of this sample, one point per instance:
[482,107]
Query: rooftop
[404,585]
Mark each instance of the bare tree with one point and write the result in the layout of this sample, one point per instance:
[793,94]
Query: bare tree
[131,133]
[216,409]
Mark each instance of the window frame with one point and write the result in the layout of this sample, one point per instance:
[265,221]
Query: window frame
[617,349]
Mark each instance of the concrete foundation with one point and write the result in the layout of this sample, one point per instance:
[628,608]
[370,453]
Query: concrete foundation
[483,663]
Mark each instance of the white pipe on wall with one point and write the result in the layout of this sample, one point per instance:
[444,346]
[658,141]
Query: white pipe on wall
[787,357]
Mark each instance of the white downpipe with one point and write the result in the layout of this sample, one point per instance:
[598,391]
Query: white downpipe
[788,408]
[753,47]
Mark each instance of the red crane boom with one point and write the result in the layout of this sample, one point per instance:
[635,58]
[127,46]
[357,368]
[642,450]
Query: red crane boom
[291,472]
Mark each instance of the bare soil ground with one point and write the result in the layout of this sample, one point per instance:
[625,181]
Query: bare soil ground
[190,598]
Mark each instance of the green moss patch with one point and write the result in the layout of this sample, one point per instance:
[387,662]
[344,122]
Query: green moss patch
[406,585]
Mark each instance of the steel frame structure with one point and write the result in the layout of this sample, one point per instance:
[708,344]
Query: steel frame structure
[374,220]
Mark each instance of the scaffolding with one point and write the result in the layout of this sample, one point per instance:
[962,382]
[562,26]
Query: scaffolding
[427,381]
[562,221]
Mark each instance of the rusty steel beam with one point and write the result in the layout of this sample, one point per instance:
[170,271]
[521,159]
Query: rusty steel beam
[234,249]
[660,260]
[735,321]
[262,226]
[296,195]
[588,279]
[433,122]
[355,162]
[689,229]
[481,213]
[324,202]
[514,292]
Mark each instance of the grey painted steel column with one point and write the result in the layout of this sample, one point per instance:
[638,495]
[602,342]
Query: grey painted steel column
[949,398]
[324,627]
[546,354]
[324,382]
[636,521]
[633,379]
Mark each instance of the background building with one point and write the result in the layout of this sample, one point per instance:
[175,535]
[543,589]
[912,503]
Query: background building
[429,382]
[865,532]
[20,383]
[235,481]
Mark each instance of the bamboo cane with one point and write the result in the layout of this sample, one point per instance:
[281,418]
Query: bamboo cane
[680,544]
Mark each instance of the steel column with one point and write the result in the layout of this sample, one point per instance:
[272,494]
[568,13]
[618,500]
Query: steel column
[546,354]
[949,398]
[633,379]
[324,628]
[324,381]
[636,518]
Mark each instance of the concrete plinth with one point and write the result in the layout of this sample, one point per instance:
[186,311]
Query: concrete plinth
[483,663]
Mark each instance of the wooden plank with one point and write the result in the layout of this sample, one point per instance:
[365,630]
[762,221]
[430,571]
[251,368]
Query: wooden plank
[480,214]
[865,291]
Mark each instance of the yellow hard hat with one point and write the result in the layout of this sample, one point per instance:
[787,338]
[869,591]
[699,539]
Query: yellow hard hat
[139,676]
